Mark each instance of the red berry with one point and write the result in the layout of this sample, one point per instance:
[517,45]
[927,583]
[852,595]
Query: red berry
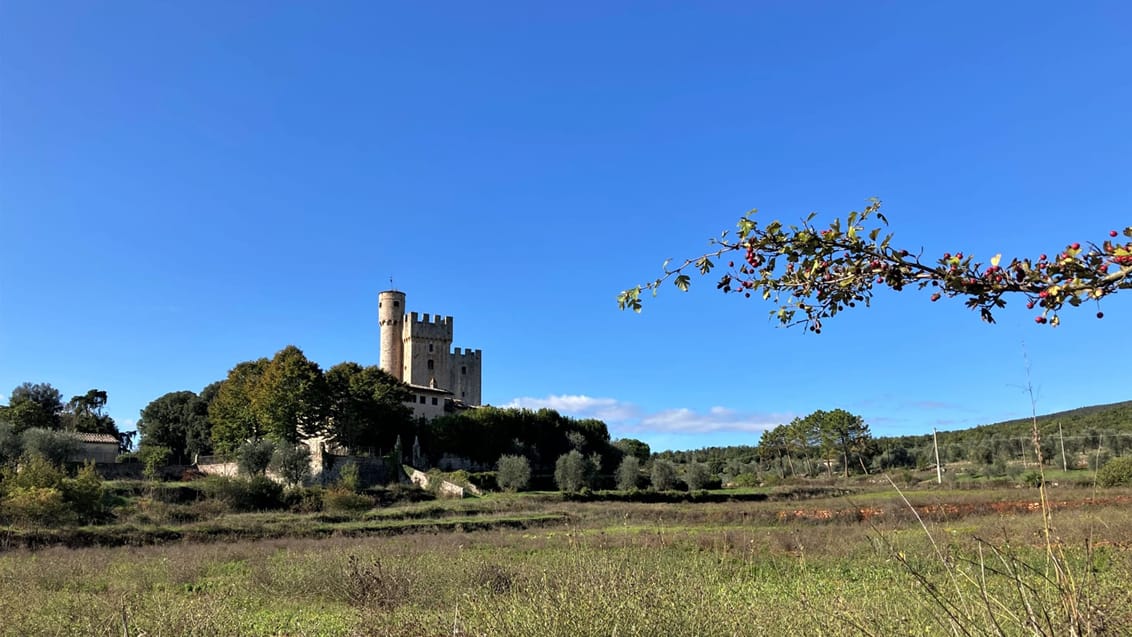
[1112,233]
[1030,305]
[1076,246]
[1042,258]
[1039,319]
[1100,314]
[935,297]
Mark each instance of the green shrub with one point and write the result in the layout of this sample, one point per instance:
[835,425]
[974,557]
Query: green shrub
[628,473]
[513,473]
[293,463]
[153,457]
[303,499]
[339,499]
[348,479]
[86,494]
[1116,473]
[570,471]
[254,457]
[56,446]
[36,506]
[1031,479]
[245,494]
[663,475]
[696,475]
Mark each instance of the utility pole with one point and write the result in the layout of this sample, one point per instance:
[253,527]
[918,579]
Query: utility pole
[1061,436]
[938,468]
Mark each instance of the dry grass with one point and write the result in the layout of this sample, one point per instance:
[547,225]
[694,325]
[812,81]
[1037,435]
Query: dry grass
[627,569]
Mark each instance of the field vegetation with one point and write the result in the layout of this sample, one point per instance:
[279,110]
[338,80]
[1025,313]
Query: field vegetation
[770,561]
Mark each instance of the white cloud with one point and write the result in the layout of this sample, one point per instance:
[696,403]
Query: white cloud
[580,406]
[631,418]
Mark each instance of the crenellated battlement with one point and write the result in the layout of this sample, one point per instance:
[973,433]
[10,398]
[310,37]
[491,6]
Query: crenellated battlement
[467,354]
[428,326]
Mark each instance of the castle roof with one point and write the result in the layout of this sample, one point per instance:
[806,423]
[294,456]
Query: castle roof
[425,389]
[99,438]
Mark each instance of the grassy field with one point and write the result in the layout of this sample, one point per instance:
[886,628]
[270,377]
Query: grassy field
[858,564]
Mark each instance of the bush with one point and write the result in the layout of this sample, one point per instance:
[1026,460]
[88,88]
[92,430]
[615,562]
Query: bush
[303,500]
[37,471]
[1098,458]
[253,457]
[86,494]
[663,475]
[153,457]
[11,446]
[1031,479]
[1116,473]
[628,473]
[56,446]
[696,476]
[513,473]
[570,471]
[243,494]
[338,499]
[293,463]
[348,479]
[36,506]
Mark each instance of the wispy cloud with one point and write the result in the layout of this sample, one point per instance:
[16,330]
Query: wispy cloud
[627,417]
[581,406]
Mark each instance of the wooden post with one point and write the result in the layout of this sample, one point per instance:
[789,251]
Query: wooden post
[1061,436]
[938,468]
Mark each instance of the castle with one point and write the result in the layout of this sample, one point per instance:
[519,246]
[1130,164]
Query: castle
[418,351]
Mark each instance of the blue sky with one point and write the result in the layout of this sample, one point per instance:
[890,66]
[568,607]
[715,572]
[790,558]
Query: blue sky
[184,186]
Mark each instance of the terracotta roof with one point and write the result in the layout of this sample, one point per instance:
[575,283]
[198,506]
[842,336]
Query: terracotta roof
[107,438]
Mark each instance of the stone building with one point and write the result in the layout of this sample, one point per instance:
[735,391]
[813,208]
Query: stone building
[101,448]
[418,351]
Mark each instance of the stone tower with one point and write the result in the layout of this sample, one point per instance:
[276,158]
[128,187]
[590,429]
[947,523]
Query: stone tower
[391,316]
[417,350]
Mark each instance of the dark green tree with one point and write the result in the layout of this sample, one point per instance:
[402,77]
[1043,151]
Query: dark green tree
[842,434]
[231,413]
[628,473]
[366,406]
[254,456]
[663,475]
[634,447]
[177,420]
[696,475]
[291,398]
[33,406]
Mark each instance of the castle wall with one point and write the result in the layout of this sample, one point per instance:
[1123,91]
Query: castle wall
[426,345]
[465,379]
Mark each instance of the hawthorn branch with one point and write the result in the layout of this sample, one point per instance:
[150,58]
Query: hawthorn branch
[825,271]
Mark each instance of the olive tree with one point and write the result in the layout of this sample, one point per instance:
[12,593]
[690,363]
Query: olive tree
[513,473]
